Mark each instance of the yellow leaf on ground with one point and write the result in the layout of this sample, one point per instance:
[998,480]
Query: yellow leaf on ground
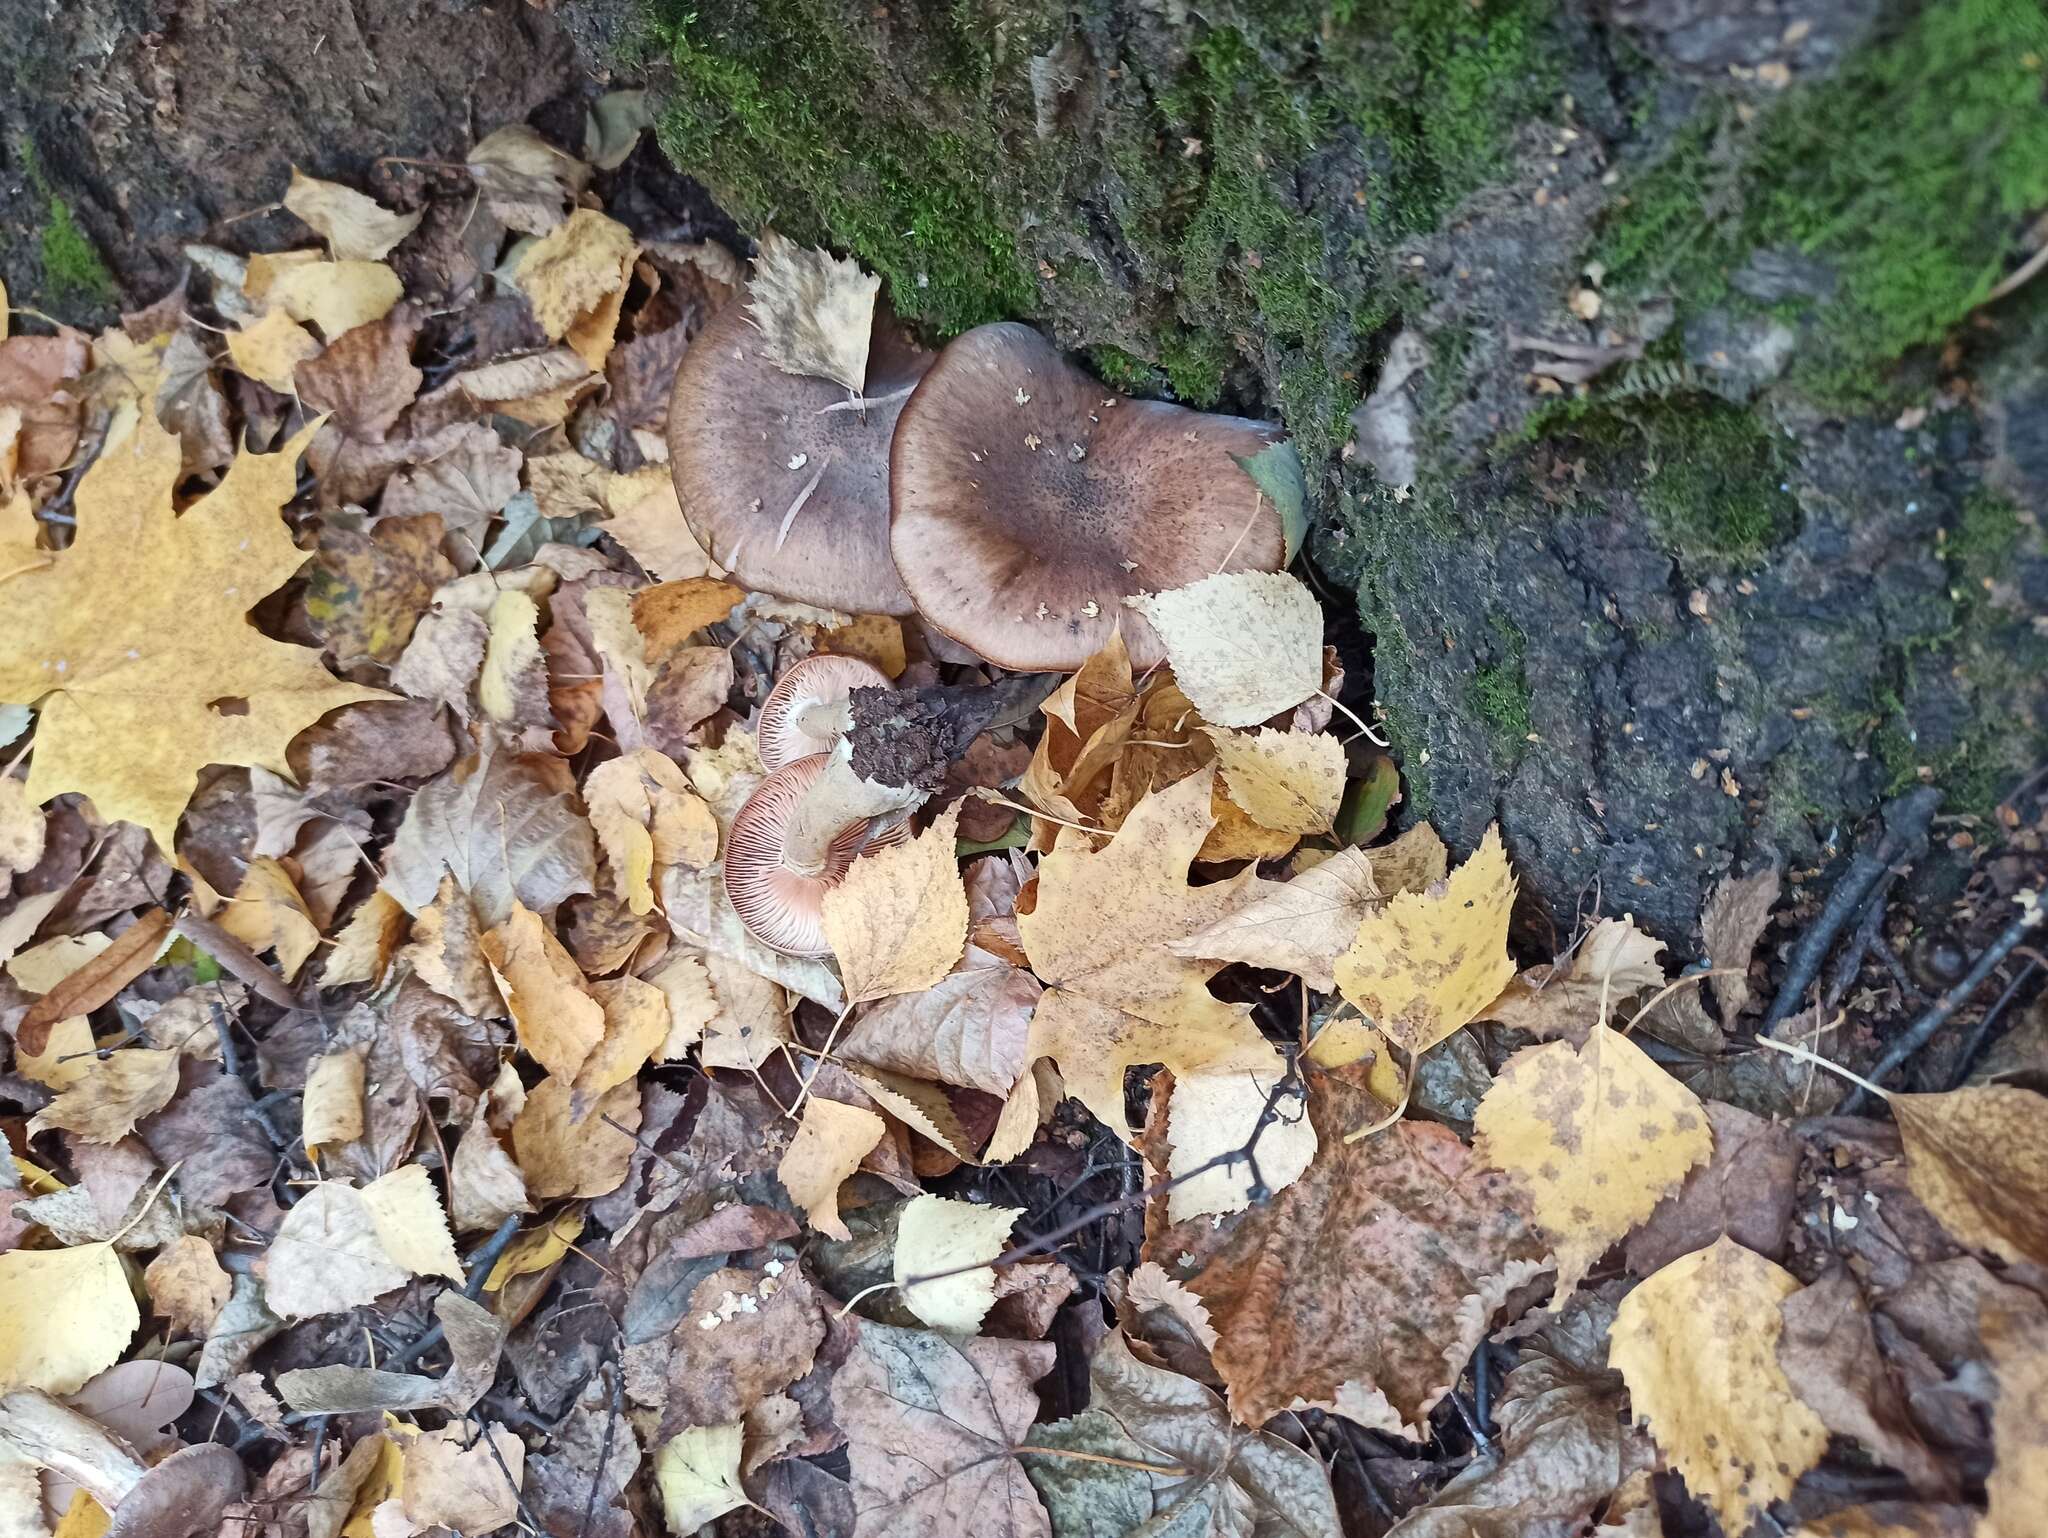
[332,1108]
[21,826]
[268,914]
[647,818]
[66,1057]
[114,1094]
[1697,1345]
[1212,1112]
[335,296]
[558,1022]
[355,227]
[876,638]
[1612,964]
[270,349]
[1115,996]
[647,518]
[1978,1159]
[573,272]
[326,1257]
[2018,1484]
[447,951]
[685,983]
[669,613]
[405,1210]
[1244,645]
[537,1249]
[1413,861]
[513,684]
[1428,962]
[65,1316]
[697,1472]
[1600,1134]
[815,312]
[935,1234]
[364,949]
[135,640]
[187,1285]
[898,921]
[562,1156]
[829,1144]
[1289,781]
[42,967]
[636,1024]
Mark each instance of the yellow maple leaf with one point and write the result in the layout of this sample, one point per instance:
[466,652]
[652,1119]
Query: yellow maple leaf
[1428,962]
[898,921]
[1697,1345]
[1600,1134]
[135,644]
[1115,996]
[557,1020]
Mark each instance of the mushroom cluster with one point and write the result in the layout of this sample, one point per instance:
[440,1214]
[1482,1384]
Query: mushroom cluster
[996,491]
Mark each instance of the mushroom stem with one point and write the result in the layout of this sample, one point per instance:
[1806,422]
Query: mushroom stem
[826,721]
[69,1444]
[836,800]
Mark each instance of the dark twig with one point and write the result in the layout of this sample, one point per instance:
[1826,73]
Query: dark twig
[231,1061]
[1482,1385]
[1869,931]
[1901,979]
[604,1448]
[1923,1030]
[1905,831]
[1980,1033]
[234,957]
[480,1263]
[512,1484]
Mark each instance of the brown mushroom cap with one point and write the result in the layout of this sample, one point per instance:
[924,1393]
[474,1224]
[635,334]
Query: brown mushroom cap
[783,908]
[1029,501]
[736,425]
[789,724]
[183,1496]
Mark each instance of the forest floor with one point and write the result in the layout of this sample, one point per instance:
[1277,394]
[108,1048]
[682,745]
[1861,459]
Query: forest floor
[1170,1134]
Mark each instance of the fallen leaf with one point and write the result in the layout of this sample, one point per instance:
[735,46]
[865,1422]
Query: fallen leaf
[453,1479]
[412,1229]
[697,1473]
[115,1093]
[829,1145]
[2018,1482]
[135,699]
[355,227]
[366,946]
[326,1258]
[933,1235]
[1289,781]
[335,296]
[475,1340]
[268,914]
[898,921]
[1978,1158]
[364,380]
[647,519]
[366,592]
[575,271]
[21,828]
[186,1285]
[1298,926]
[1414,861]
[65,1315]
[1735,918]
[331,1110]
[1426,963]
[1829,1351]
[562,1156]
[669,613]
[647,818]
[1367,1283]
[503,830]
[746,1334]
[1746,1190]
[270,349]
[558,1022]
[526,182]
[447,952]
[1600,1134]
[1244,645]
[1697,1345]
[930,1423]
[1184,1467]
[815,312]
[1115,997]
[1213,1112]
[636,1024]
[512,689]
[970,1028]
[1613,963]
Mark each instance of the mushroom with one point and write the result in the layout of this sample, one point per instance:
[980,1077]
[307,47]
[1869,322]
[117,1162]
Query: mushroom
[806,712]
[181,1497]
[782,478]
[1028,502]
[794,840]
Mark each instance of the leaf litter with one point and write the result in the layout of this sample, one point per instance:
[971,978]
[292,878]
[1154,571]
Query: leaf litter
[1137,1152]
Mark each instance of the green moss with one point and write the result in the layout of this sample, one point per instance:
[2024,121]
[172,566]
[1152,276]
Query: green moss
[71,267]
[1499,693]
[1910,172]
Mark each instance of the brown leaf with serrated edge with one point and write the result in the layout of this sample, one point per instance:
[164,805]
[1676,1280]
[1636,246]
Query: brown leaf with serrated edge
[1612,964]
[1746,1191]
[1978,1158]
[1367,1283]
[1697,1345]
[745,1335]
[1298,926]
[929,1423]
[1736,915]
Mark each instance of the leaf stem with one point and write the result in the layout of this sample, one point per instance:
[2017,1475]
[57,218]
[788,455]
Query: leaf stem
[1170,1470]
[1808,1055]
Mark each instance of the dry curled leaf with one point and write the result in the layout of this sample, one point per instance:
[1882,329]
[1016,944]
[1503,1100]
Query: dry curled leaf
[355,227]
[829,1145]
[815,311]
